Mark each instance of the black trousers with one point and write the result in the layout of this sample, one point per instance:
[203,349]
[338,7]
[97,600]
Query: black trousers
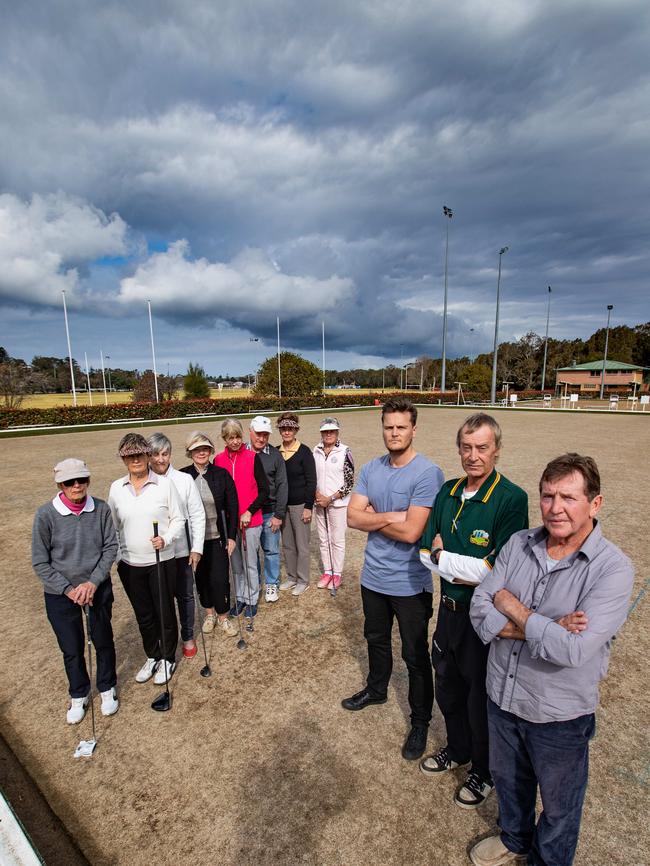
[66,619]
[459,659]
[141,585]
[413,613]
[212,577]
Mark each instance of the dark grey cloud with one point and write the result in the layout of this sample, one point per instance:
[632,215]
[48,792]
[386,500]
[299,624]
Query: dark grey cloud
[299,155]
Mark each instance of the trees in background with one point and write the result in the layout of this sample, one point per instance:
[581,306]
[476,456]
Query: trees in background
[300,378]
[195,383]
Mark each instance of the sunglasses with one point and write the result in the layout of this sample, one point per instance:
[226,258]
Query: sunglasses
[72,481]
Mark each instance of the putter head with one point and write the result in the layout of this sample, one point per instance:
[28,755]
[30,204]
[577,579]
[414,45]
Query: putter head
[333,592]
[85,748]
[162,703]
[205,671]
[241,643]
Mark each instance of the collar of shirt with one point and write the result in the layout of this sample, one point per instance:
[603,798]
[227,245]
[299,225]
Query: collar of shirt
[265,450]
[291,449]
[335,445]
[483,493]
[152,478]
[63,509]
[537,541]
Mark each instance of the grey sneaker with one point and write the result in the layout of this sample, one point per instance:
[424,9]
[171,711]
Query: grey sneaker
[299,588]
[440,763]
[288,584]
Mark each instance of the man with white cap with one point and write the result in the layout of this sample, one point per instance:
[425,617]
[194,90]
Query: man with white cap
[334,483]
[73,548]
[275,506]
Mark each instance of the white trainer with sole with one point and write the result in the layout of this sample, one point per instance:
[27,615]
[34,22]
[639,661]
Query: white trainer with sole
[77,710]
[147,670]
[110,703]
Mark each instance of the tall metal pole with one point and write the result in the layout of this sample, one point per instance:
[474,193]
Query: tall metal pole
[548,316]
[101,355]
[67,334]
[153,353]
[90,393]
[323,324]
[401,368]
[496,332]
[448,214]
[279,371]
[610,307]
[110,384]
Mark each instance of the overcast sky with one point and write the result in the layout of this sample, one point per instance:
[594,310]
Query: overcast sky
[236,161]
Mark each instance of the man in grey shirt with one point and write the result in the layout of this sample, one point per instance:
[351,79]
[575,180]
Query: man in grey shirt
[549,610]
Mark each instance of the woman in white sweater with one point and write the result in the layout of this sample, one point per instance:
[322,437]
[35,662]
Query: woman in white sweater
[137,501]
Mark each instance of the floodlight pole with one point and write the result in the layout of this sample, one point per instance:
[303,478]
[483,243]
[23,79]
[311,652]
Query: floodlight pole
[502,251]
[90,393]
[279,371]
[548,316]
[610,307]
[153,353]
[447,212]
[101,355]
[323,324]
[67,334]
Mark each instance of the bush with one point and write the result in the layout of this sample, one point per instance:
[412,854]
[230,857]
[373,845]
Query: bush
[195,383]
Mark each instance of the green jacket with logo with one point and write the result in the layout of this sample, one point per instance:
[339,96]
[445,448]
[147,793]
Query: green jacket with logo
[477,527]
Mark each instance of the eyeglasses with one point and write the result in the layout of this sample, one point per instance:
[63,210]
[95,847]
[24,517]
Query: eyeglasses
[72,481]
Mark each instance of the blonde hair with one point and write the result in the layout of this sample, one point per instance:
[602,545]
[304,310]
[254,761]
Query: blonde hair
[231,426]
[196,437]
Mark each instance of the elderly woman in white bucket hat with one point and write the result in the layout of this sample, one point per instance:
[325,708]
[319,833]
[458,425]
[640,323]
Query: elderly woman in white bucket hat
[73,548]
[334,482]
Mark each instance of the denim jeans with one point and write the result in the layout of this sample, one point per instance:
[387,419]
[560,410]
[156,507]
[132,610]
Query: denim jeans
[271,547]
[553,756]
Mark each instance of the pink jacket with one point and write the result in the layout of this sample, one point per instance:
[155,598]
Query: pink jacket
[241,466]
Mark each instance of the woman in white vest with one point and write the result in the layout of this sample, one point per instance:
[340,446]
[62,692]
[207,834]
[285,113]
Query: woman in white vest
[334,482]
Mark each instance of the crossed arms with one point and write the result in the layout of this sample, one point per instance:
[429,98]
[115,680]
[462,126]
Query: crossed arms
[405,526]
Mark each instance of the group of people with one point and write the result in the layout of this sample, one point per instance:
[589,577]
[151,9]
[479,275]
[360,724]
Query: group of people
[215,525]
[525,617]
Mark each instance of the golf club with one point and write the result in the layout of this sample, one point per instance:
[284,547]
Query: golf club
[205,671]
[329,547]
[164,700]
[241,643]
[244,556]
[87,747]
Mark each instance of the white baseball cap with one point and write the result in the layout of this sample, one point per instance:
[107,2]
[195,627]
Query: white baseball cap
[261,424]
[70,468]
[330,424]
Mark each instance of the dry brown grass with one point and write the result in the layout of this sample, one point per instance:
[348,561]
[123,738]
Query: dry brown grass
[260,765]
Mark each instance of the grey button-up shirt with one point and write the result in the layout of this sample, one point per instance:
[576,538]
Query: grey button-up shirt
[553,675]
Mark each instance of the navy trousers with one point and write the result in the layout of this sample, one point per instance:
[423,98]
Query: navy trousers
[553,756]
[66,619]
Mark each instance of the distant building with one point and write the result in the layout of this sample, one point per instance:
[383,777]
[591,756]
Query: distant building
[586,377]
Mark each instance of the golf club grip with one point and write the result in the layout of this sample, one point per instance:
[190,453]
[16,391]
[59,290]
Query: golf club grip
[155,533]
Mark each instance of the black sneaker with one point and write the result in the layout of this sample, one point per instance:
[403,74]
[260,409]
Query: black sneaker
[475,791]
[415,743]
[440,763]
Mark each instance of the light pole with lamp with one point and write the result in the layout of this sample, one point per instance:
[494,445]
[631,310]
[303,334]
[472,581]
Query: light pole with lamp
[548,316]
[447,212]
[254,340]
[108,370]
[610,307]
[502,252]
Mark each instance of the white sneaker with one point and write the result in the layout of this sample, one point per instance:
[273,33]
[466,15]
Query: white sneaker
[147,670]
[209,623]
[110,703]
[271,593]
[299,588]
[227,627]
[288,584]
[77,710]
[159,679]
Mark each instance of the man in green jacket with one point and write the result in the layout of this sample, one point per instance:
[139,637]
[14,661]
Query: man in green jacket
[473,517]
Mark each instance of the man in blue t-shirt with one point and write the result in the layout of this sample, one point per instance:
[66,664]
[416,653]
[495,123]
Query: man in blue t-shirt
[391,502]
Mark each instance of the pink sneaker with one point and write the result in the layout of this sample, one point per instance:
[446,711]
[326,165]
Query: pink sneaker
[336,581]
[325,580]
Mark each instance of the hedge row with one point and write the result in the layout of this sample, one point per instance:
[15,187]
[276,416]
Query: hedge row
[61,416]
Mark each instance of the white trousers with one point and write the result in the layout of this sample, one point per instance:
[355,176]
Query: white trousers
[337,522]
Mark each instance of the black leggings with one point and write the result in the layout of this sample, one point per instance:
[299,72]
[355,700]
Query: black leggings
[212,577]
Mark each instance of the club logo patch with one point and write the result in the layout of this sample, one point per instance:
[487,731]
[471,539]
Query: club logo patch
[480,537]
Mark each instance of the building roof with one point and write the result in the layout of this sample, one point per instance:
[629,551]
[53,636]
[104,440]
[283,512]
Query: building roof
[598,365]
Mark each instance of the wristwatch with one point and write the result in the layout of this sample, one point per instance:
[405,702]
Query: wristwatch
[435,554]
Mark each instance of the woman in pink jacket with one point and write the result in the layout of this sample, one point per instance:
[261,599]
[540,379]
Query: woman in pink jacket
[247,471]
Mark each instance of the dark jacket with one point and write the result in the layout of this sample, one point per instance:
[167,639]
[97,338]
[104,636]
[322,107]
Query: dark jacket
[301,477]
[224,493]
[276,473]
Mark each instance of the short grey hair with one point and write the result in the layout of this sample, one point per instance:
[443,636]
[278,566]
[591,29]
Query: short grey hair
[159,442]
[480,419]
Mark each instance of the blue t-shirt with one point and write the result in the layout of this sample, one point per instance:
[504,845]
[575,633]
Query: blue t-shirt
[394,567]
